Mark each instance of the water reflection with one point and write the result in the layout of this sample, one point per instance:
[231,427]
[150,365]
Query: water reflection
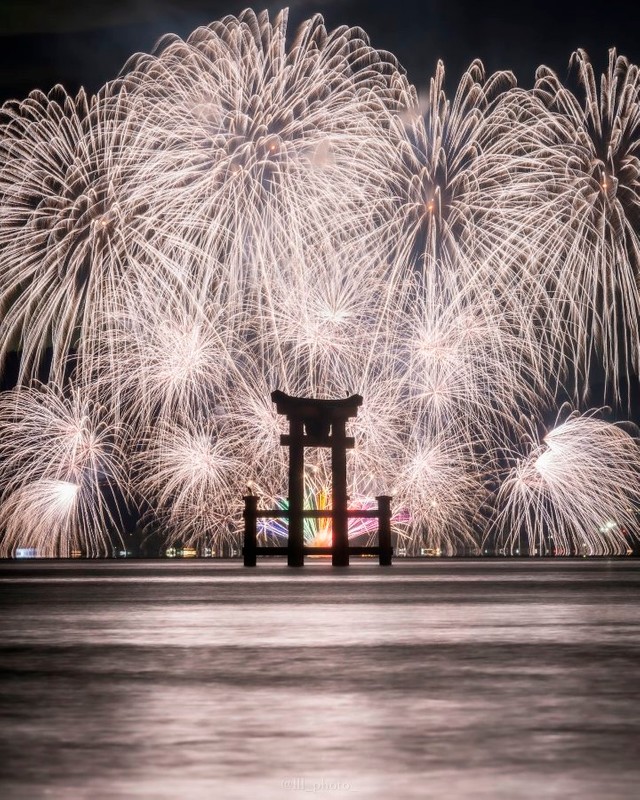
[498,679]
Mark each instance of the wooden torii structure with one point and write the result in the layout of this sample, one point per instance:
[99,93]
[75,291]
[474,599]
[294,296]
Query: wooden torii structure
[317,423]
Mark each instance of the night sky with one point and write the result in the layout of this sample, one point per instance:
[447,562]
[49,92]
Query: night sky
[86,42]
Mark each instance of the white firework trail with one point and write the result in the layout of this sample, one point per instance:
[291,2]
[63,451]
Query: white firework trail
[595,151]
[468,370]
[576,491]
[41,516]
[62,473]
[442,490]
[272,153]
[443,177]
[474,217]
[193,480]
[73,222]
[172,356]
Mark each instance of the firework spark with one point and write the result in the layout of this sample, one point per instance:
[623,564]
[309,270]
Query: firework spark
[595,148]
[574,492]
[192,480]
[73,222]
[62,471]
[271,153]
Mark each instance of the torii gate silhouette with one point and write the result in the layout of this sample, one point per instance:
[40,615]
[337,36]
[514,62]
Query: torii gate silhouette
[317,423]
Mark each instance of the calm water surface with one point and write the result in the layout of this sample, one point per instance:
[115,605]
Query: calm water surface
[427,680]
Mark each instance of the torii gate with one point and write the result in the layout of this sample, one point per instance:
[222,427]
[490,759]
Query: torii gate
[317,423]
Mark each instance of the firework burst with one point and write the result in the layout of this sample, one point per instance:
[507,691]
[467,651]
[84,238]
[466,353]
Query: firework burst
[62,471]
[442,490]
[444,176]
[573,492]
[192,479]
[595,152]
[73,225]
[260,143]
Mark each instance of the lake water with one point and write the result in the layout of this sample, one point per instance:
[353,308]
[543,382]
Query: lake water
[444,679]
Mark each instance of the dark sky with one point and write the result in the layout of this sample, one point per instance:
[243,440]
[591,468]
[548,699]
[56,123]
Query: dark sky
[85,42]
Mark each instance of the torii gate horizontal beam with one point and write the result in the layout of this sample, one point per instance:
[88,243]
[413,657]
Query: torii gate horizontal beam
[317,513]
[348,442]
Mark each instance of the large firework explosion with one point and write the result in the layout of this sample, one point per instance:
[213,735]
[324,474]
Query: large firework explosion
[248,210]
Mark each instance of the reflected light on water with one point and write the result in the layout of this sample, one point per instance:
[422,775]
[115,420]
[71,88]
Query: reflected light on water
[430,680]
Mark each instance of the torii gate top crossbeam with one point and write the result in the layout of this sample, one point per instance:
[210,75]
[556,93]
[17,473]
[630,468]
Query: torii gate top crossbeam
[317,416]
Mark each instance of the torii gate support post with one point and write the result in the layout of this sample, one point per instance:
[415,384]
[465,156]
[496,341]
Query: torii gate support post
[385,550]
[250,515]
[295,552]
[339,521]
